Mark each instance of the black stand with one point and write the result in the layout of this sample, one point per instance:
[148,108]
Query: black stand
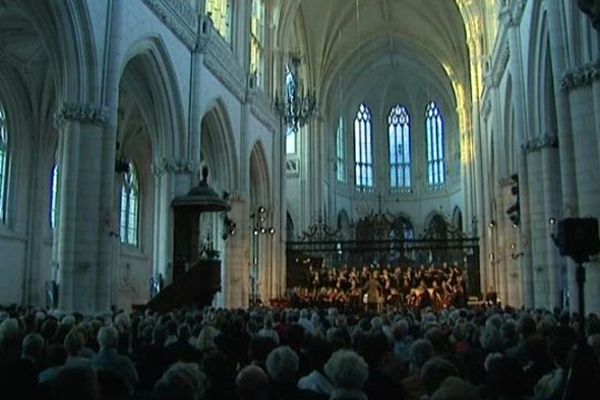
[580,277]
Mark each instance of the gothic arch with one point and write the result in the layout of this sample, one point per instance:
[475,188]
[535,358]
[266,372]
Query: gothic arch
[150,70]
[457,219]
[218,147]
[259,177]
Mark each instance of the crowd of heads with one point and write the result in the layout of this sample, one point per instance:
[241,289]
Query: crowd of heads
[310,353]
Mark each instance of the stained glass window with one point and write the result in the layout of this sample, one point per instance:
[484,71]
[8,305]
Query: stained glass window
[3,163]
[436,170]
[340,152]
[399,134]
[54,196]
[257,38]
[363,156]
[130,200]
[219,12]
[290,90]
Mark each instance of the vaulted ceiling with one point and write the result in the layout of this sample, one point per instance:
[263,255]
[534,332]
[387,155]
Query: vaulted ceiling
[425,37]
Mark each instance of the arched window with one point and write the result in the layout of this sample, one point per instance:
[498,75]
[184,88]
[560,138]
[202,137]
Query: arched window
[399,132]
[257,40]
[435,146]
[363,157]
[3,163]
[340,152]
[54,196]
[130,200]
[219,12]
[290,91]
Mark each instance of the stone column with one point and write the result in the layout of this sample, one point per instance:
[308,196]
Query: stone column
[236,282]
[587,166]
[81,222]
[558,48]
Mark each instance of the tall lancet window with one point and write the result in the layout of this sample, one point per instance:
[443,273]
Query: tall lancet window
[130,200]
[257,41]
[54,196]
[340,152]
[3,163]
[363,152]
[434,125]
[220,14]
[291,93]
[399,132]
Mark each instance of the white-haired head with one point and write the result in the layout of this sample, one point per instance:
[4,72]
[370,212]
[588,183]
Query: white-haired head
[347,370]
[282,365]
[108,337]
[9,333]
[421,350]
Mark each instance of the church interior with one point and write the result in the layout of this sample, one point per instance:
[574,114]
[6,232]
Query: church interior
[384,134]
[300,199]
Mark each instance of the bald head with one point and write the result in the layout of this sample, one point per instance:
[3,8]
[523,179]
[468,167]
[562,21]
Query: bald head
[251,383]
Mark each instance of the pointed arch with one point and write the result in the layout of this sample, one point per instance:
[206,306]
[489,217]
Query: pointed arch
[148,68]
[259,176]
[218,146]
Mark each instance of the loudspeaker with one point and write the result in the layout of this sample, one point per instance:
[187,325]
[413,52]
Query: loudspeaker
[578,237]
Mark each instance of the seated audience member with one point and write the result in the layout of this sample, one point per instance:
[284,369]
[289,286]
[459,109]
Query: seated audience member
[55,356]
[318,352]
[108,358]
[435,371]
[282,367]
[181,350]
[21,376]
[378,386]
[454,388]
[259,349]
[220,374]
[420,351]
[505,379]
[348,373]
[76,383]
[74,342]
[551,385]
[182,381]
[251,383]
[402,340]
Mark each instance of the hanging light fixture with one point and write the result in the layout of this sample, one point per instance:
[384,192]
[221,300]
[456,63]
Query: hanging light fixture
[298,105]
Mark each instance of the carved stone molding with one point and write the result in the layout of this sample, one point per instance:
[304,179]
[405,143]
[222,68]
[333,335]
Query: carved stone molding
[500,63]
[219,59]
[175,166]
[580,76]
[87,113]
[540,142]
[179,16]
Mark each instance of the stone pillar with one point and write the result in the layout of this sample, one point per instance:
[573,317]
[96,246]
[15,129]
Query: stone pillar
[236,283]
[520,131]
[538,225]
[558,48]
[525,243]
[81,222]
[587,166]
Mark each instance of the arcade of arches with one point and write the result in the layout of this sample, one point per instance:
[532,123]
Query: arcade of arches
[425,112]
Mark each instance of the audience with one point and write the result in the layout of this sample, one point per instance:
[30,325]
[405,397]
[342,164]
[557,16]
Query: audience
[292,354]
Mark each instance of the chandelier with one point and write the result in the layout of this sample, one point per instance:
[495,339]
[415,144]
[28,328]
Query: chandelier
[297,106]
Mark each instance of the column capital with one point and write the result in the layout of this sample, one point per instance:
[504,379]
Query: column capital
[81,112]
[537,143]
[174,166]
[582,75]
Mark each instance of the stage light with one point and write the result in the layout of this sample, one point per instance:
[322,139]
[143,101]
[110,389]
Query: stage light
[515,226]
[263,230]
[492,224]
[261,210]
[255,232]
[272,231]
[552,221]
[513,246]
[491,256]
